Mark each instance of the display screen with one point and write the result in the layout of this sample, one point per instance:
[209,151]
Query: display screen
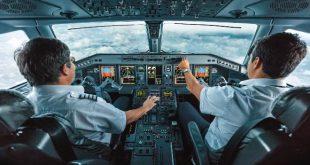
[202,71]
[127,75]
[154,74]
[178,76]
[107,72]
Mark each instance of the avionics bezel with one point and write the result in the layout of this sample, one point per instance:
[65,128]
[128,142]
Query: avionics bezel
[174,76]
[209,72]
[147,73]
[120,75]
[100,71]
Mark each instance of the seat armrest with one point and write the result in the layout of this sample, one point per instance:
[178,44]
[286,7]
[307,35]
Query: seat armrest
[89,162]
[200,148]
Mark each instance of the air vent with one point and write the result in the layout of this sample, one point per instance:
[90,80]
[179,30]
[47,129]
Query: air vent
[17,6]
[289,6]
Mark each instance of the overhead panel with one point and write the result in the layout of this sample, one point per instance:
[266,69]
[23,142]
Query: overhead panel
[26,8]
[267,8]
[281,8]
[161,9]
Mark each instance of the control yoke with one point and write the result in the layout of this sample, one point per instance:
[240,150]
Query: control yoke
[202,82]
[114,84]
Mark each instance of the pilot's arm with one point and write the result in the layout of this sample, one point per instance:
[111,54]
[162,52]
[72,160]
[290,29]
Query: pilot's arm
[192,83]
[135,114]
[213,99]
[98,115]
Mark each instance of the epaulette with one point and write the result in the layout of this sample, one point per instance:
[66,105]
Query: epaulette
[88,96]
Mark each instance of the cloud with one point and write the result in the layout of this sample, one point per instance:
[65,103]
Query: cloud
[229,46]
[89,41]
[301,75]
[306,72]
[228,43]
[9,73]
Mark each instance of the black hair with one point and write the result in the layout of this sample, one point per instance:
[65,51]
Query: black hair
[280,53]
[40,60]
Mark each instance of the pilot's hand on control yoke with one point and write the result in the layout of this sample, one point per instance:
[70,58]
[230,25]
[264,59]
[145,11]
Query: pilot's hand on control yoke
[184,64]
[150,102]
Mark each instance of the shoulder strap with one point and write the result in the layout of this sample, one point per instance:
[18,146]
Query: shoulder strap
[232,146]
[57,133]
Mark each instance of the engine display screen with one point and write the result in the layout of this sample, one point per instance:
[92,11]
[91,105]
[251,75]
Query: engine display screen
[154,74]
[127,75]
[202,71]
[107,72]
[178,76]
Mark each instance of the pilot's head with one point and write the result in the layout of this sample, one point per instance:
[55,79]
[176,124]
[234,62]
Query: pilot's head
[276,56]
[45,61]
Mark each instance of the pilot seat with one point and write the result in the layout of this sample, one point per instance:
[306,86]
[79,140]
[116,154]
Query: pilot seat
[269,140]
[48,137]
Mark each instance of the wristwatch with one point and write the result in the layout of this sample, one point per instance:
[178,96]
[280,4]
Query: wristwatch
[185,70]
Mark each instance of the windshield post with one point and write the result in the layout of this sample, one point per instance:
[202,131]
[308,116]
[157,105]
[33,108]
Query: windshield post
[154,34]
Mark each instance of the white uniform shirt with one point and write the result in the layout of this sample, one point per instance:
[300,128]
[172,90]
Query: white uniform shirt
[95,118]
[233,106]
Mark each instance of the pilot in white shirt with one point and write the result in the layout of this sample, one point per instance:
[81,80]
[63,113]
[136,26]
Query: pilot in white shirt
[271,60]
[48,67]
[88,113]
[233,106]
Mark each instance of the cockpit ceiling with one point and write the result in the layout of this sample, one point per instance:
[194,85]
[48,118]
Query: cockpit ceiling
[153,9]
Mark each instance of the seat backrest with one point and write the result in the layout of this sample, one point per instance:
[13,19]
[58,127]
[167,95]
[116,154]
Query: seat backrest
[292,108]
[266,143]
[21,154]
[261,137]
[56,132]
[15,109]
[69,144]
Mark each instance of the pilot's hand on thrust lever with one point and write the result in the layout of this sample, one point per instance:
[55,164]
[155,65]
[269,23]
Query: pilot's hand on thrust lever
[150,102]
[184,64]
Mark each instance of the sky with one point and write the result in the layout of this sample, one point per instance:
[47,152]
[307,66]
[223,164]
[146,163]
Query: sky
[301,75]
[230,43]
[9,73]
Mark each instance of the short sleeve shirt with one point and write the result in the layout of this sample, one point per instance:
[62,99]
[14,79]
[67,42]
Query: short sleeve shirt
[93,117]
[233,106]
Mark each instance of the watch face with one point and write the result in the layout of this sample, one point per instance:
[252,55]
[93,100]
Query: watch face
[186,70]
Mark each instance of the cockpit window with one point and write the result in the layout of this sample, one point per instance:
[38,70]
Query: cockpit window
[85,39]
[228,40]
[9,73]
[301,75]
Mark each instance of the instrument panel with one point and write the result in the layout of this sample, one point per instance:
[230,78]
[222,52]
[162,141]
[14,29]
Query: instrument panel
[131,71]
[128,75]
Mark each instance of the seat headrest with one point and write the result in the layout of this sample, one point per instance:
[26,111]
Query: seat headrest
[15,108]
[292,107]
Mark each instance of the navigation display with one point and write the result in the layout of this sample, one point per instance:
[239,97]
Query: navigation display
[178,76]
[154,74]
[127,75]
[202,71]
[107,72]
